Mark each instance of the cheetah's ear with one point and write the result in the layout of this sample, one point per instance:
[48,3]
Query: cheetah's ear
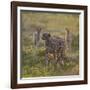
[49,35]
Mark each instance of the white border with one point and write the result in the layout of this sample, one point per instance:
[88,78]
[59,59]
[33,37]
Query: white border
[81,53]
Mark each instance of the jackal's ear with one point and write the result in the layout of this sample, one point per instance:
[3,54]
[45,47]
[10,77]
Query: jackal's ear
[67,29]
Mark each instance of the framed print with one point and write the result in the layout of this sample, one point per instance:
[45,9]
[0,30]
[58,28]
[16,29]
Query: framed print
[48,44]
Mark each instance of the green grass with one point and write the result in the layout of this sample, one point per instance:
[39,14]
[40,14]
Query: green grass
[33,64]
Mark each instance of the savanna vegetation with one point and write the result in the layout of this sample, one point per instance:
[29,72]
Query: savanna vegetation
[33,58]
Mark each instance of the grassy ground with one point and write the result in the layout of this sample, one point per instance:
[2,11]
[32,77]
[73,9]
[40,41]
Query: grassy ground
[33,63]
